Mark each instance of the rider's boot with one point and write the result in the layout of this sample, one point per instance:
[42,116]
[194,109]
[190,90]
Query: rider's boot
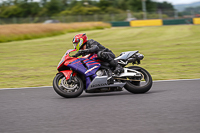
[118,69]
[113,63]
[110,79]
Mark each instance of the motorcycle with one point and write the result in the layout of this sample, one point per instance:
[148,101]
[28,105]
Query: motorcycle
[91,75]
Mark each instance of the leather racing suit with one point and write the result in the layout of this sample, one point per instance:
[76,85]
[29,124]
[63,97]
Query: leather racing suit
[103,53]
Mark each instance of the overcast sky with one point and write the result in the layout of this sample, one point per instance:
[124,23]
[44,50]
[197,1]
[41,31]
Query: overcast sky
[179,1]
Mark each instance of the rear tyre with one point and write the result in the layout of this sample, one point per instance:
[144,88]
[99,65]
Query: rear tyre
[139,87]
[68,89]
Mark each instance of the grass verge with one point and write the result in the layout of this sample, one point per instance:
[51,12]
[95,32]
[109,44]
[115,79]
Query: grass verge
[171,52]
[15,32]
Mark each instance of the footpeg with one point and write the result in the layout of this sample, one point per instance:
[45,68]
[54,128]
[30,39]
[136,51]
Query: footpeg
[110,80]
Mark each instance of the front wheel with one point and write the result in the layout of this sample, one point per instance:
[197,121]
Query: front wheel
[66,89]
[142,86]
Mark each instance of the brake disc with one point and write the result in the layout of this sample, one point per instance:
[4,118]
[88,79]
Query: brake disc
[64,84]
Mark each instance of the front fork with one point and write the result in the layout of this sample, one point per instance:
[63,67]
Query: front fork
[68,74]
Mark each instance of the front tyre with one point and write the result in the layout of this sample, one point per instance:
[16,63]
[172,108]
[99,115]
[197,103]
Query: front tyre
[139,87]
[66,89]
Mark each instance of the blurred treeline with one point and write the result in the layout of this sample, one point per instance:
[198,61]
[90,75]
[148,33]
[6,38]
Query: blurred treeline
[43,8]
[192,11]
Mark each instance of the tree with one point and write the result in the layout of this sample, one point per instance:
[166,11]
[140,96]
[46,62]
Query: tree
[29,9]
[103,4]
[165,6]
[51,8]
[191,11]
[32,8]
[136,5]
[79,9]
[10,11]
[122,5]
[19,8]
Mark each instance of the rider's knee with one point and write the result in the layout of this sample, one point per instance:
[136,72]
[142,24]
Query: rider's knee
[101,55]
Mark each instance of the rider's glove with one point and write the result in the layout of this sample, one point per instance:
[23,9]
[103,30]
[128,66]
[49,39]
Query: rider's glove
[81,52]
[77,54]
[86,51]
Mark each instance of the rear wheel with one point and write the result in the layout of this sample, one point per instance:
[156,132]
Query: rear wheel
[67,89]
[142,86]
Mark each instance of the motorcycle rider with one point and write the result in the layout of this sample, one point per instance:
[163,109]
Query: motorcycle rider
[85,46]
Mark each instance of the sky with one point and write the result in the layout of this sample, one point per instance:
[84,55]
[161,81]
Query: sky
[174,2]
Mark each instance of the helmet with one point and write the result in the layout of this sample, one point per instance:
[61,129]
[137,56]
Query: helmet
[79,40]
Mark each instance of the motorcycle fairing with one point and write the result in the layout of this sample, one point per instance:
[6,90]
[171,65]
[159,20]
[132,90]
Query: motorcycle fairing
[77,66]
[65,56]
[85,66]
[67,73]
[93,57]
[89,69]
[101,82]
[91,65]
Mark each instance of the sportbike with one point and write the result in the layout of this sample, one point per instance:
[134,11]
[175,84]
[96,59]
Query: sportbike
[91,75]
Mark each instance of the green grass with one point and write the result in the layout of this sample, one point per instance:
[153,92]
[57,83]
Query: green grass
[171,52]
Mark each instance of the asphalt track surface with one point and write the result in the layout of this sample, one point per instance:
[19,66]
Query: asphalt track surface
[169,107]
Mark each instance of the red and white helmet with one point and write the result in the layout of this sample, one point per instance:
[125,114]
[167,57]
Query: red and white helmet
[79,40]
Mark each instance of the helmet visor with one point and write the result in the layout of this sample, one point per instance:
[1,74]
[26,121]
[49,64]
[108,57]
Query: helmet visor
[78,44]
[75,44]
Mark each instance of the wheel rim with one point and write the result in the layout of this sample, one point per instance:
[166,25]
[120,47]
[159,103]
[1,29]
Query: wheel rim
[144,80]
[65,87]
